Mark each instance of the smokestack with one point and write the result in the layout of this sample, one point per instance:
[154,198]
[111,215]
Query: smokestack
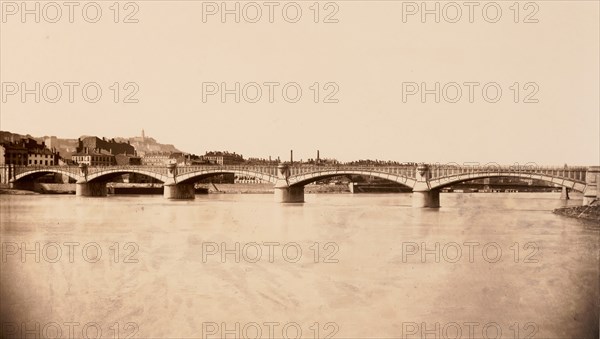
[318,156]
[291,156]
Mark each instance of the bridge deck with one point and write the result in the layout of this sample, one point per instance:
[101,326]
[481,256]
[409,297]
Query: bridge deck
[302,173]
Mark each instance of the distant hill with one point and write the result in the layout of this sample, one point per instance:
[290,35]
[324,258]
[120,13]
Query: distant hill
[6,136]
[145,145]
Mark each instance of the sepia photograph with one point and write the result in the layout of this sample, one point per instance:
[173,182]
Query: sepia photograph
[299,169]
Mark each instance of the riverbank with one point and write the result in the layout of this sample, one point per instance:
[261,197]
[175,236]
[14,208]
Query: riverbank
[12,191]
[591,212]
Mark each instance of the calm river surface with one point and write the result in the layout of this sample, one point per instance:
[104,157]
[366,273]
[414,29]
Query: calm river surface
[341,266]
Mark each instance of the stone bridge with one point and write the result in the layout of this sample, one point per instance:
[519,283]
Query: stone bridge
[425,180]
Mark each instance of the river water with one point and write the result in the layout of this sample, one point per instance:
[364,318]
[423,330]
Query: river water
[340,266]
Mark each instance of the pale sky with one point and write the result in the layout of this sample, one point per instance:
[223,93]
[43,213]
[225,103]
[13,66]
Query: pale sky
[369,53]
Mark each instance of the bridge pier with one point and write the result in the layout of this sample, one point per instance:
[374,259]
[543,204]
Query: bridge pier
[423,196]
[174,190]
[421,199]
[283,192]
[179,191]
[564,194]
[289,194]
[91,189]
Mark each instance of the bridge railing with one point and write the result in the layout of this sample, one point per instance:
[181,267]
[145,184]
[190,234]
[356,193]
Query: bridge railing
[264,170]
[573,173]
[405,171]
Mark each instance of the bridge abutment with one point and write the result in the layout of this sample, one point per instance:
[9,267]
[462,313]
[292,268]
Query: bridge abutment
[91,189]
[179,191]
[22,185]
[592,180]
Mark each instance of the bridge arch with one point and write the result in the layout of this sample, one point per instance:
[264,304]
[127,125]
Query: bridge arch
[439,183]
[303,179]
[109,172]
[35,172]
[187,177]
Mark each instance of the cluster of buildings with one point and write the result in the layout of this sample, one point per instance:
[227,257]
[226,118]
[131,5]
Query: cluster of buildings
[27,152]
[94,151]
[222,158]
